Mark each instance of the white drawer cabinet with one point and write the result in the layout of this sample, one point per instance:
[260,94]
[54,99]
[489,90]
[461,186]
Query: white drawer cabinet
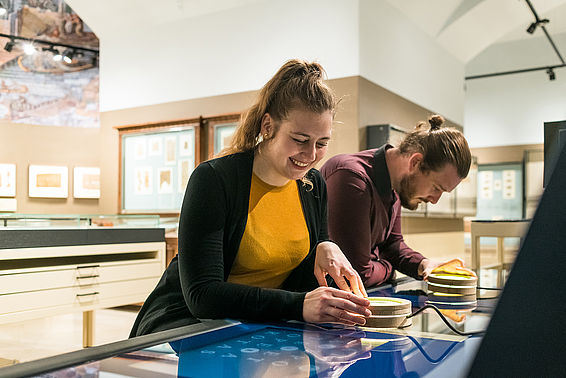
[39,281]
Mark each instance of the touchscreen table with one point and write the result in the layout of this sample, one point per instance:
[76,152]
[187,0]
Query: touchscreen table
[292,349]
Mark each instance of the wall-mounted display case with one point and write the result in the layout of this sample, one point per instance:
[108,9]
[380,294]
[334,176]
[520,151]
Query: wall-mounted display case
[534,175]
[156,163]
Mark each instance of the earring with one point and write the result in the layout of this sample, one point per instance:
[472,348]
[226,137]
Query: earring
[265,136]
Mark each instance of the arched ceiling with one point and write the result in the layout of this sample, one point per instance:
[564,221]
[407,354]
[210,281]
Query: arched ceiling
[467,27]
[463,27]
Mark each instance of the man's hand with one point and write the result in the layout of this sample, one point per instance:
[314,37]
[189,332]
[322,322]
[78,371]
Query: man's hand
[454,266]
[330,260]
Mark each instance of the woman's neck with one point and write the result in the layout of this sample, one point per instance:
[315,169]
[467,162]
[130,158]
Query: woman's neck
[264,170]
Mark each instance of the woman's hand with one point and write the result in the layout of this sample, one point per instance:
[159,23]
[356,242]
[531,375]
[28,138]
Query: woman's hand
[330,305]
[330,260]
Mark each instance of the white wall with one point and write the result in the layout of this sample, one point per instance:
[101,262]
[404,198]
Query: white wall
[509,110]
[226,52]
[397,55]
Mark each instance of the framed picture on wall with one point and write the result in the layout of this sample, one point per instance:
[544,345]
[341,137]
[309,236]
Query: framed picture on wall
[48,181]
[7,180]
[149,184]
[86,182]
[220,132]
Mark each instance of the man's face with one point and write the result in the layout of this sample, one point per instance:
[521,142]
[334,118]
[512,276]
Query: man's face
[416,187]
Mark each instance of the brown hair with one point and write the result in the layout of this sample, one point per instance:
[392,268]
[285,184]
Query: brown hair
[297,84]
[439,146]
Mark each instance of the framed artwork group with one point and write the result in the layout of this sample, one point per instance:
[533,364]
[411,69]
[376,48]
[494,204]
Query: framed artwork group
[50,181]
[157,160]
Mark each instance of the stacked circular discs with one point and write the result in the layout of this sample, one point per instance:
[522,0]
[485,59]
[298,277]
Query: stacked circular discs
[388,312]
[452,289]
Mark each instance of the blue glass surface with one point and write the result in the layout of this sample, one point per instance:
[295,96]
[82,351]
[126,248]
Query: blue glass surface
[428,348]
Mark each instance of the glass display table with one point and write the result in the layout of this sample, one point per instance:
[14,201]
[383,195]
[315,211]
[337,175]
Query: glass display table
[227,348]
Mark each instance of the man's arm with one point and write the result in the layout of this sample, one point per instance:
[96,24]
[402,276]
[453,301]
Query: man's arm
[349,224]
[399,254]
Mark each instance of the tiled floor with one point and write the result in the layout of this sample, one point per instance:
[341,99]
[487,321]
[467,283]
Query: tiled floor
[33,339]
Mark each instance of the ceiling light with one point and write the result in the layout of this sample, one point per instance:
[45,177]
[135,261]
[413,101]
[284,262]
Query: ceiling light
[532,27]
[551,74]
[9,45]
[29,49]
[68,56]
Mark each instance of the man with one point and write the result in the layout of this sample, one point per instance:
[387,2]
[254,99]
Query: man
[367,189]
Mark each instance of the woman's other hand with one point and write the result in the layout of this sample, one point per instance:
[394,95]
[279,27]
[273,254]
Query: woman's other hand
[330,305]
[330,260]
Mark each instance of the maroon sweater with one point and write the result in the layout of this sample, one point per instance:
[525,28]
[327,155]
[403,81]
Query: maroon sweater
[364,216]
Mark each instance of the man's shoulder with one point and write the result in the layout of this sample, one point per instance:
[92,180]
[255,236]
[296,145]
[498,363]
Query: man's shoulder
[358,162]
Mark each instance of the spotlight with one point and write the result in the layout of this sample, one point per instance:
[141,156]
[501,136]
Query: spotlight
[551,74]
[532,27]
[68,56]
[9,45]
[29,49]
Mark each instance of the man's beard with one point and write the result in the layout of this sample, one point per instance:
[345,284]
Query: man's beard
[406,192]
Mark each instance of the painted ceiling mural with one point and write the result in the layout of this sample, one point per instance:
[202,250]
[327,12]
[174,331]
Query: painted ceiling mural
[50,84]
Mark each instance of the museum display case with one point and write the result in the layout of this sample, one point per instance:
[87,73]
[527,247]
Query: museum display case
[55,264]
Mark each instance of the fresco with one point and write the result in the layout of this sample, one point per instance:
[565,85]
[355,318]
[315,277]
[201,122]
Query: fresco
[36,89]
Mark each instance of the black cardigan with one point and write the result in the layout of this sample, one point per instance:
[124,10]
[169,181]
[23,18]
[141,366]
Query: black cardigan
[212,222]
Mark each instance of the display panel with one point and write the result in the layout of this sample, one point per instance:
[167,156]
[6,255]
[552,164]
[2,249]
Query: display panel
[156,167]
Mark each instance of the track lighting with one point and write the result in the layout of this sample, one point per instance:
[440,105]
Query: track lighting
[551,74]
[71,51]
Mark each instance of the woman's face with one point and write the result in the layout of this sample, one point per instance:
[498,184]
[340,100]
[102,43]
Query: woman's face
[293,145]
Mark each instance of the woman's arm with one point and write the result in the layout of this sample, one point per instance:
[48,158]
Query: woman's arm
[202,239]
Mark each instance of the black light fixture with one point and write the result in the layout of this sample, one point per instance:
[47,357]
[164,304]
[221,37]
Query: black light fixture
[68,56]
[532,27]
[70,52]
[51,49]
[9,45]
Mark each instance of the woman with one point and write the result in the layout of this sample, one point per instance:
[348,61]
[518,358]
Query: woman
[252,230]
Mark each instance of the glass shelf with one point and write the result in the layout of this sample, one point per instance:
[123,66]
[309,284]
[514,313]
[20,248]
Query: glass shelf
[10,220]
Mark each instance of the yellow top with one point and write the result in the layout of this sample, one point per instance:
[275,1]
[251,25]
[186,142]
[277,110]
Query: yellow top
[276,238]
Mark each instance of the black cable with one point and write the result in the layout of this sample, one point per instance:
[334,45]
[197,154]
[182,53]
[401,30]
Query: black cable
[445,321]
[426,355]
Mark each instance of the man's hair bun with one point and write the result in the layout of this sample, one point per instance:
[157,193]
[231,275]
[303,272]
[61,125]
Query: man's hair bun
[436,121]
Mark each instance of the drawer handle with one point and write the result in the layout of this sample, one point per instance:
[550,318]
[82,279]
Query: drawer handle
[88,294]
[85,277]
[88,266]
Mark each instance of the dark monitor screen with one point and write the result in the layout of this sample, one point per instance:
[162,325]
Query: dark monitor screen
[526,336]
[554,140]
